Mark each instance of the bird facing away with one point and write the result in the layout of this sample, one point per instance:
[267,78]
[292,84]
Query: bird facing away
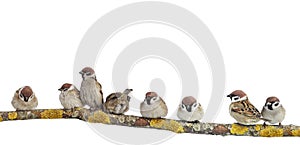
[24,99]
[242,110]
[69,96]
[118,103]
[273,111]
[153,106]
[91,90]
[189,109]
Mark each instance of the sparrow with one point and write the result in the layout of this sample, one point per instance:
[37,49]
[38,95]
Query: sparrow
[242,110]
[190,110]
[153,106]
[69,96]
[118,103]
[91,90]
[24,99]
[273,111]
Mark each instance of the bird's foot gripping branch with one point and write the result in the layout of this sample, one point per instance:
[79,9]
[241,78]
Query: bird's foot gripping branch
[176,126]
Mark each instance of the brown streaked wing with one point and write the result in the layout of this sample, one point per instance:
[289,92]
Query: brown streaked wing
[98,85]
[164,106]
[245,108]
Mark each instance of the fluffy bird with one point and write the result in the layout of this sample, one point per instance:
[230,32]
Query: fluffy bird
[153,106]
[24,99]
[190,109]
[69,96]
[273,111]
[242,110]
[118,103]
[91,90]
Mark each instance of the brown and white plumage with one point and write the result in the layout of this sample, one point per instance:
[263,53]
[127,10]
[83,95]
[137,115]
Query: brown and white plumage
[189,109]
[153,106]
[242,110]
[69,96]
[273,110]
[24,99]
[118,103]
[91,90]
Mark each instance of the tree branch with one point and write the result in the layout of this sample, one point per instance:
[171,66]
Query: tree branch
[176,126]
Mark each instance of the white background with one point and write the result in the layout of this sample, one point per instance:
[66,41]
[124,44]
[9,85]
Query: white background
[259,41]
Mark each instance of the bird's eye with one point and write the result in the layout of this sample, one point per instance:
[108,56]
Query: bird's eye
[276,104]
[21,96]
[195,105]
[65,89]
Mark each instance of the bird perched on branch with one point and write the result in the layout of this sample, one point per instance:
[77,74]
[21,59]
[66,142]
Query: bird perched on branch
[242,110]
[91,90]
[190,110]
[24,99]
[153,106]
[69,96]
[118,103]
[273,111]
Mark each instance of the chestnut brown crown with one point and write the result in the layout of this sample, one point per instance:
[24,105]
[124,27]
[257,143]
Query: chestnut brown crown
[88,70]
[151,94]
[189,100]
[65,86]
[272,99]
[239,93]
[26,91]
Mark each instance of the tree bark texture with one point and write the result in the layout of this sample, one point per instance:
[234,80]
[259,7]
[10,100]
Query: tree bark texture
[176,126]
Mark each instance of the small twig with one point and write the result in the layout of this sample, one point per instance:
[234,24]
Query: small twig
[176,126]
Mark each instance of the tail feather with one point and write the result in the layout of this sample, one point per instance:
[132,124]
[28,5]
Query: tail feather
[127,91]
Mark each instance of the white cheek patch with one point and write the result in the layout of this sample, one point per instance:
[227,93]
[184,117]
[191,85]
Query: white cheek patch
[269,103]
[276,105]
[235,99]
[243,98]
[182,107]
[20,97]
[195,107]
[31,97]
[151,101]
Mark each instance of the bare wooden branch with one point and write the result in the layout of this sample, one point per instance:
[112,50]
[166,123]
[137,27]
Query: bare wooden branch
[176,126]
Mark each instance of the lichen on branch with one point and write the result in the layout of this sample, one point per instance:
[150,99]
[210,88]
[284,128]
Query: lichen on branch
[176,126]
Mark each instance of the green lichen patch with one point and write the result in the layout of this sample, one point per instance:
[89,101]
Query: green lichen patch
[238,129]
[52,114]
[99,117]
[271,131]
[296,132]
[12,115]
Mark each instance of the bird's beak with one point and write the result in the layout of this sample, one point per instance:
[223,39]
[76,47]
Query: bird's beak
[188,108]
[270,107]
[60,89]
[80,72]
[148,101]
[230,96]
[26,99]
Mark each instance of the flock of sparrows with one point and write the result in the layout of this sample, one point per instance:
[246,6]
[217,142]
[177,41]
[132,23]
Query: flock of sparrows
[90,96]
